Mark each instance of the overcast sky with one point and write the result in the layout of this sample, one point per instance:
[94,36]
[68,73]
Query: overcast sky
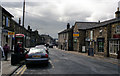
[52,16]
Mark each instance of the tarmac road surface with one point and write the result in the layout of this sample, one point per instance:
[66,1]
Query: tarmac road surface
[62,62]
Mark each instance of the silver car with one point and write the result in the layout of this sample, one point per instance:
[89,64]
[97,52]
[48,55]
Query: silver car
[36,55]
[42,46]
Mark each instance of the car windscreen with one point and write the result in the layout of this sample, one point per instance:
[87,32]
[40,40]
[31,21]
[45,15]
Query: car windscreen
[37,50]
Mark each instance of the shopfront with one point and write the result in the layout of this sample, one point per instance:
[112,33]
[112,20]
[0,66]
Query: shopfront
[114,45]
[6,37]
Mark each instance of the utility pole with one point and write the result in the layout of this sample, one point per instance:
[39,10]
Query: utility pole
[23,13]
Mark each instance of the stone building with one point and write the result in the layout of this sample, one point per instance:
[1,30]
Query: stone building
[65,39]
[6,27]
[46,39]
[9,25]
[79,32]
[104,38]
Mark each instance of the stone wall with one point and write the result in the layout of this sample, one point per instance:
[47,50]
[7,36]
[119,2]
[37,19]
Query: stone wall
[96,34]
[75,39]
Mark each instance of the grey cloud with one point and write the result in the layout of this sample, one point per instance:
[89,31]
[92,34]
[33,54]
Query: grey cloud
[12,4]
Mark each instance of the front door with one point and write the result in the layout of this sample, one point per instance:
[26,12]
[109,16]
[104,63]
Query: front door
[100,42]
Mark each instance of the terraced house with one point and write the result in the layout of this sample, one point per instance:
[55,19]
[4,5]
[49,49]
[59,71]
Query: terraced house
[9,25]
[102,37]
[65,39]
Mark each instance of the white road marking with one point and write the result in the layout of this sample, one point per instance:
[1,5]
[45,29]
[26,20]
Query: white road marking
[51,64]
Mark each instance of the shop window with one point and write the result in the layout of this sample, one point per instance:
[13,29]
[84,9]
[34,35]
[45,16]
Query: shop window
[114,46]
[118,29]
[4,20]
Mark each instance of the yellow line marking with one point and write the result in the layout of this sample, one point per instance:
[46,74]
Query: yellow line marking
[23,71]
[20,70]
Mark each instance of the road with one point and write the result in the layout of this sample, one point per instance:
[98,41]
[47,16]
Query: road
[62,62]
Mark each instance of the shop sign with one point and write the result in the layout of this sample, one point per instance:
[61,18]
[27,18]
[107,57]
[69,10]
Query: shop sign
[116,36]
[11,33]
[76,34]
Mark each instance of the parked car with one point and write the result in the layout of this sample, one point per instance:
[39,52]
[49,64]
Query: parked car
[36,55]
[51,45]
[44,47]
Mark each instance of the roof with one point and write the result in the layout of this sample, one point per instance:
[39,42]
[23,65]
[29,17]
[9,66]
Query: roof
[85,25]
[66,30]
[4,10]
[90,25]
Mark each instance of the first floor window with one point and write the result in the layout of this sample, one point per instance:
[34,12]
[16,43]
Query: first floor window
[118,29]
[4,20]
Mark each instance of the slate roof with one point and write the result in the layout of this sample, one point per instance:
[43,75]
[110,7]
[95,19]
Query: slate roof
[90,25]
[85,25]
[4,10]
[66,30]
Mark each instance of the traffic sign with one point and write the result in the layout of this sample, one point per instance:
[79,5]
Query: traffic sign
[11,33]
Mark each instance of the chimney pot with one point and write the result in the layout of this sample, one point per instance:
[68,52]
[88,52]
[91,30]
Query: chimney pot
[68,26]
[19,21]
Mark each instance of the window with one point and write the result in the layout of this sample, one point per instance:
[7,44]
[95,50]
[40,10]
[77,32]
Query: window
[114,46]
[100,32]
[8,22]
[4,20]
[91,35]
[100,42]
[118,29]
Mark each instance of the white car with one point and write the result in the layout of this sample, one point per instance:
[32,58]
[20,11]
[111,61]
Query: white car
[42,46]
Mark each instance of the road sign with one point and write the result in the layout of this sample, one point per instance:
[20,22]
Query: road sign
[76,34]
[11,33]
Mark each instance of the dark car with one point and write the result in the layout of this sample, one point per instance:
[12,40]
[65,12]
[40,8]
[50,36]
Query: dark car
[51,45]
[36,56]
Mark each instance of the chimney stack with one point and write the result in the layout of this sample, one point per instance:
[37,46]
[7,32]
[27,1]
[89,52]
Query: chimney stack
[117,13]
[68,26]
[19,21]
[28,27]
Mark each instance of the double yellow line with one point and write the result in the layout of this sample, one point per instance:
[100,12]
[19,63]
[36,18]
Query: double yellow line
[21,71]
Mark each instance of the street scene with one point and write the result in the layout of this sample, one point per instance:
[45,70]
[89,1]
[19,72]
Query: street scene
[60,37]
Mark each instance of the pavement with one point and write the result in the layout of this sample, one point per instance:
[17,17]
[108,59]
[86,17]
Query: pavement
[7,68]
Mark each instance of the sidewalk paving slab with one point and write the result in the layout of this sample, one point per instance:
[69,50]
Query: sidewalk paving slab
[7,68]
